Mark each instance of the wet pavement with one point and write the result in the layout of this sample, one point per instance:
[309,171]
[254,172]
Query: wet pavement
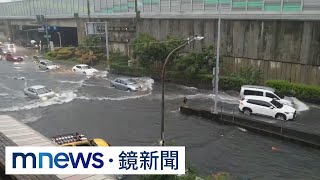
[90,106]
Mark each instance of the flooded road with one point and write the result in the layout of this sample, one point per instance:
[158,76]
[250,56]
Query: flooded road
[90,106]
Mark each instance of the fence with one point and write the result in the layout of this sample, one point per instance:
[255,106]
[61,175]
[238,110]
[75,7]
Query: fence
[31,8]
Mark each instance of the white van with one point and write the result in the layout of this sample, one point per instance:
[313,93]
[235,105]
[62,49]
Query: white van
[251,90]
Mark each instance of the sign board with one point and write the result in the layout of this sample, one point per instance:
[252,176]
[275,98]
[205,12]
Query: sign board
[95,28]
[45,36]
[41,29]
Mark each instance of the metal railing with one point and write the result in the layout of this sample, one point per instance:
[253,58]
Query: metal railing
[61,8]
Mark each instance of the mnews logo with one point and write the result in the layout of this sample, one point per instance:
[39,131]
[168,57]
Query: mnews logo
[95,160]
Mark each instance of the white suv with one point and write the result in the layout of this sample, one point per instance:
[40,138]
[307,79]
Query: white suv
[251,90]
[266,106]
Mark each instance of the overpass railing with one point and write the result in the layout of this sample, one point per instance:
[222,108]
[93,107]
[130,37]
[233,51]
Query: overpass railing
[31,8]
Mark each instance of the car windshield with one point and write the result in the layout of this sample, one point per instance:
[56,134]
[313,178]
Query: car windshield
[276,103]
[86,67]
[43,90]
[131,81]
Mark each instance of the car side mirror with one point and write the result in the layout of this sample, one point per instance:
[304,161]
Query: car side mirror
[271,107]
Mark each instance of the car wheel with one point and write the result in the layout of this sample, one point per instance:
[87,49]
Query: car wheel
[84,73]
[281,117]
[247,111]
[129,89]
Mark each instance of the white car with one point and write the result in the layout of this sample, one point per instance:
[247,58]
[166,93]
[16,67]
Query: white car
[47,65]
[39,92]
[252,90]
[84,69]
[266,106]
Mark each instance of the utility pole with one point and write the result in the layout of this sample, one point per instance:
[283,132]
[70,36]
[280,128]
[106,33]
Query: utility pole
[47,34]
[88,9]
[107,39]
[216,88]
[59,38]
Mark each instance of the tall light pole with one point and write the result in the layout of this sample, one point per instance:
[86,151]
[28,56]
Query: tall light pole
[196,38]
[216,77]
[59,38]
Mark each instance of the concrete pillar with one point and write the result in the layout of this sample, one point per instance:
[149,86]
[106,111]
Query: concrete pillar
[8,32]
[81,32]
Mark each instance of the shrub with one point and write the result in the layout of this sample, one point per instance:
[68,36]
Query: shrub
[88,59]
[307,92]
[79,53]
[196,63]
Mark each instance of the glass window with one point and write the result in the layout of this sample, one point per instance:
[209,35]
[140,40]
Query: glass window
[31,90]
[43,90]
[276,104]
[248,92]
[271,96]
[79,67]
[86,67]
[131,81]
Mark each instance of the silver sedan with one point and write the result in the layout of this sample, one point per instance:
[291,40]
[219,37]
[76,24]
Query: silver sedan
[126,84]
[39,92]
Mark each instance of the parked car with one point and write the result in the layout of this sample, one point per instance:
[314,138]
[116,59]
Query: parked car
[266,106]
[76,139]
[126,84]
[9,57]
[84,69]
[47,65]
[251,90]
[39,92]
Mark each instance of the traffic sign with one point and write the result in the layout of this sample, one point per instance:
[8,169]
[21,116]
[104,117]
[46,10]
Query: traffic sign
[45,36]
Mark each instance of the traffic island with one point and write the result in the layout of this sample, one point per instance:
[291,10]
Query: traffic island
[290,131]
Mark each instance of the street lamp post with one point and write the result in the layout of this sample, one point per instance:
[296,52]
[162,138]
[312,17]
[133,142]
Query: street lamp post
[198,38]
[59,38]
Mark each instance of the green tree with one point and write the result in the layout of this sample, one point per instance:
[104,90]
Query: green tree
[148,49]
[93,43]
[196,63]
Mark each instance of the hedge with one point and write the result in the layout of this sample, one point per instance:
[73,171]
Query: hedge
[306,92]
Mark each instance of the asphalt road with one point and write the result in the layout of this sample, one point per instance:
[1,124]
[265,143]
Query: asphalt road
[90,106]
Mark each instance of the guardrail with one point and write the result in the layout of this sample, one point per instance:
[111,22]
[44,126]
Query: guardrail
[61,8]
[296,132]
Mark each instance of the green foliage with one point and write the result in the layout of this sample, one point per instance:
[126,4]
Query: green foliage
[148,50]
[196,63]
[93,43]
[307,92]
[249,75]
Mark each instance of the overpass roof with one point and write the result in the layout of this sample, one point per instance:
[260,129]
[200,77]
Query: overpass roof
[245,9]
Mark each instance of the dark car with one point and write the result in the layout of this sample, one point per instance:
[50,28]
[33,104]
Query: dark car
[9,57]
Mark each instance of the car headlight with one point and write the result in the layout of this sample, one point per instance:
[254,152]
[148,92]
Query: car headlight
[44,98]
[288,112]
